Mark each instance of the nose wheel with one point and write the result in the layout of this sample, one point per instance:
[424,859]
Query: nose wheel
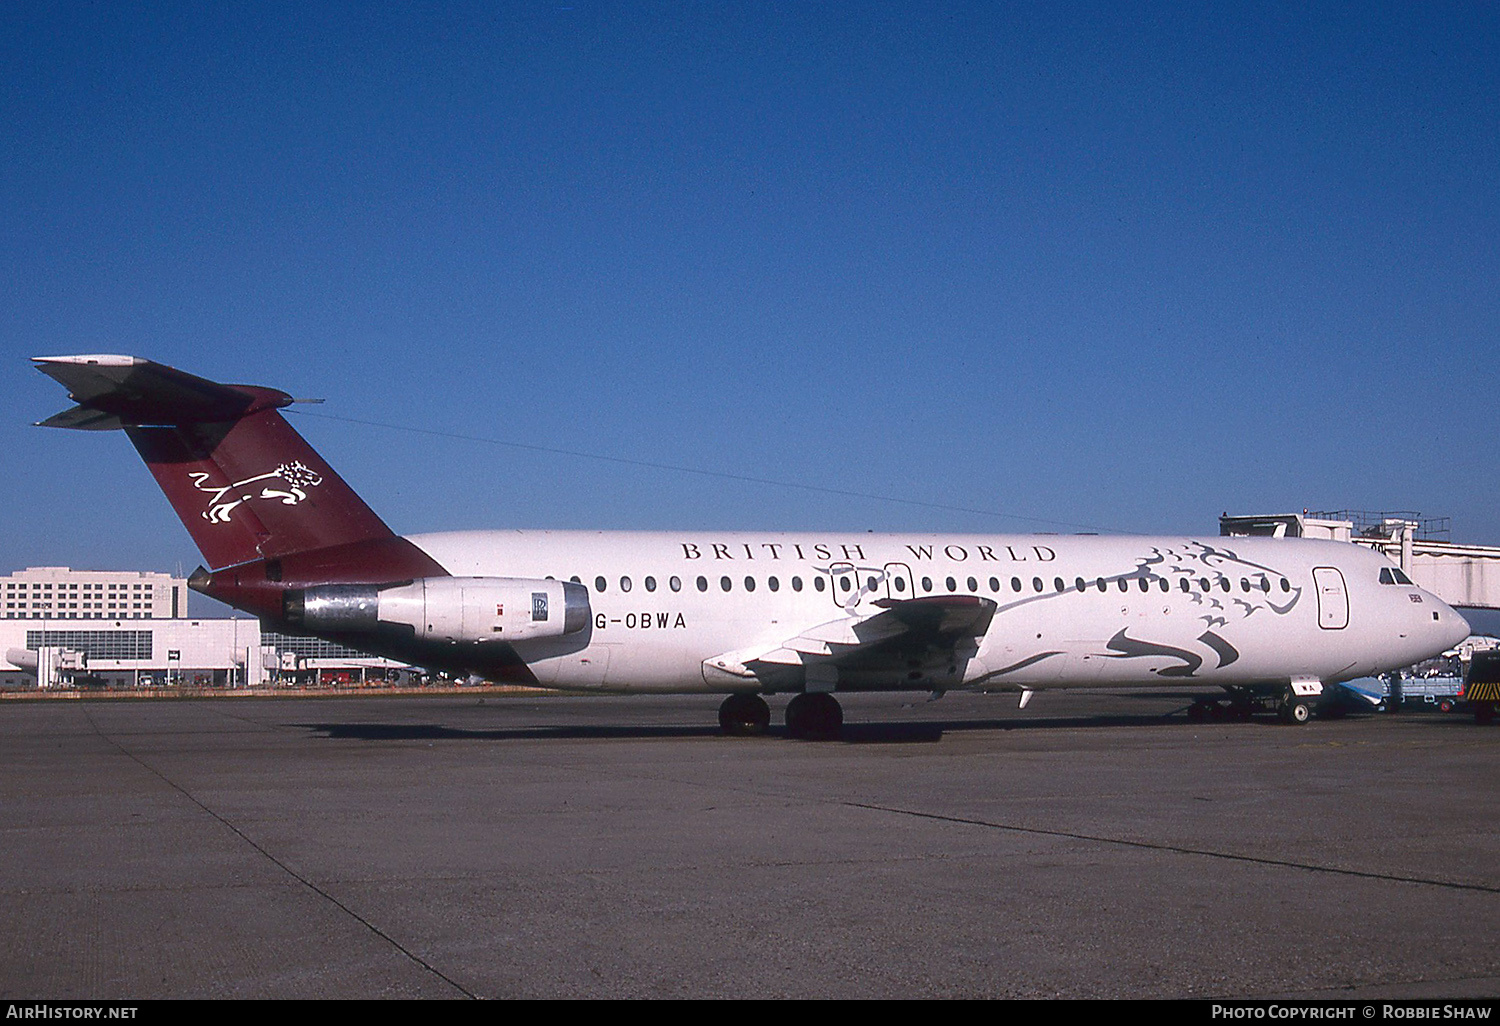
[744,715]
[814,716]
[1295,709]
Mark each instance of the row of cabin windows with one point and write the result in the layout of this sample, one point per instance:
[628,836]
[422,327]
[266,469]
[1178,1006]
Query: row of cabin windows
[675,583]
[845,583]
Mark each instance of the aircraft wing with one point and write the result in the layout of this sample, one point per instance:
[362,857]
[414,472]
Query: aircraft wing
[904,634]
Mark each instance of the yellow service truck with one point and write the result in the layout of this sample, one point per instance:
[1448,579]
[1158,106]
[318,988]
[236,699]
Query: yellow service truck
[1482,686]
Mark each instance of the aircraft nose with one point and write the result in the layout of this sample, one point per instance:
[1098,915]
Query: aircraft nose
[1460,626]
[1450,627]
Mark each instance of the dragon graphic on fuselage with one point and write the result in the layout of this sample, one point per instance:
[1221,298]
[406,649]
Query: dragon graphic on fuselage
[1207,567]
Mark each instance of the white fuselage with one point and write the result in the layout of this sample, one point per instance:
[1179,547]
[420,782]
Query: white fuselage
[1071,610]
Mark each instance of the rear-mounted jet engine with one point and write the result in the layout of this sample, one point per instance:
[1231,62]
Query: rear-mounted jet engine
[444,609]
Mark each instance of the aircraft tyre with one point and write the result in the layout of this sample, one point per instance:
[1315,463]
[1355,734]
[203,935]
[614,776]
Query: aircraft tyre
[743,715]
[814,716]
[1295,711]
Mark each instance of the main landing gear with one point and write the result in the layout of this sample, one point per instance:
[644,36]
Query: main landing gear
[744,715]
[812,716]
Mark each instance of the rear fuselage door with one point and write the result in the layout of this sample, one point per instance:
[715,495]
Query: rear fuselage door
[1333,598]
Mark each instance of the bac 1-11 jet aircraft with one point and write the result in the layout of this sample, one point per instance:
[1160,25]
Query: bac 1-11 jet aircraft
[1272,621]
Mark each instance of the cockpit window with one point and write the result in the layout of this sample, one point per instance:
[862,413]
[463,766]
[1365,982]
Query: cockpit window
[1393,575]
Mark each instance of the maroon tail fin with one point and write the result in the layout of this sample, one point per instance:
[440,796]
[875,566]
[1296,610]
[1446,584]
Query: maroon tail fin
[244,483]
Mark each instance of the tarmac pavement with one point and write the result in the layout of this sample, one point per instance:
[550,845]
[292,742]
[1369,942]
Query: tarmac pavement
[1092,845]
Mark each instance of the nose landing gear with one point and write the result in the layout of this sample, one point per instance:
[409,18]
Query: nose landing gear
[1294,709]
[1290,706]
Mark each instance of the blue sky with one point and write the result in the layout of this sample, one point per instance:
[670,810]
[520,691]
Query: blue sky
[1103,266]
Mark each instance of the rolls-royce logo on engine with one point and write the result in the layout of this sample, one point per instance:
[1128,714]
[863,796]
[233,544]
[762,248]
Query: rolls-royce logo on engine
[295,479]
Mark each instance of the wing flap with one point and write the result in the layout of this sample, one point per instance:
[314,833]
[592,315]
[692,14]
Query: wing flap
[937,621]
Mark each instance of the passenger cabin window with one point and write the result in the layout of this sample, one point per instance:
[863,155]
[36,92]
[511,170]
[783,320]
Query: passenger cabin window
[994,584]
[650,583]
[599,584]
[952,584]
[749,583]
[973,584]
[703,584]
[624,583]
[818,583]
[796,584]
[773,584]
[927,584]
[675,583]
[725,583]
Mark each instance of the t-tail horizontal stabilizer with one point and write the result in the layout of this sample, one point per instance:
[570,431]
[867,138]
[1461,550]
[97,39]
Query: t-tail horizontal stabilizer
[262,506]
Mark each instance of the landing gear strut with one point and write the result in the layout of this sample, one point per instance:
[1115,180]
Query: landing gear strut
[814,716]
[744,715]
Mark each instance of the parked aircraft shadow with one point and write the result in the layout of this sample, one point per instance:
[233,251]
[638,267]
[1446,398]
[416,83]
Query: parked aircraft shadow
[933,730]
[434,732]
[858,733]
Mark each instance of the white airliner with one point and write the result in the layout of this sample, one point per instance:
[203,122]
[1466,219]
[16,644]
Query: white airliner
[1272,621]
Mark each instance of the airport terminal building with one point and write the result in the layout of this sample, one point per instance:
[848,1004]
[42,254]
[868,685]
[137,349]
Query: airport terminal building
[63,627]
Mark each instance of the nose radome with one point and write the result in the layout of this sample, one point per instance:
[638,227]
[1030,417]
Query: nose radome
[1456,627]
